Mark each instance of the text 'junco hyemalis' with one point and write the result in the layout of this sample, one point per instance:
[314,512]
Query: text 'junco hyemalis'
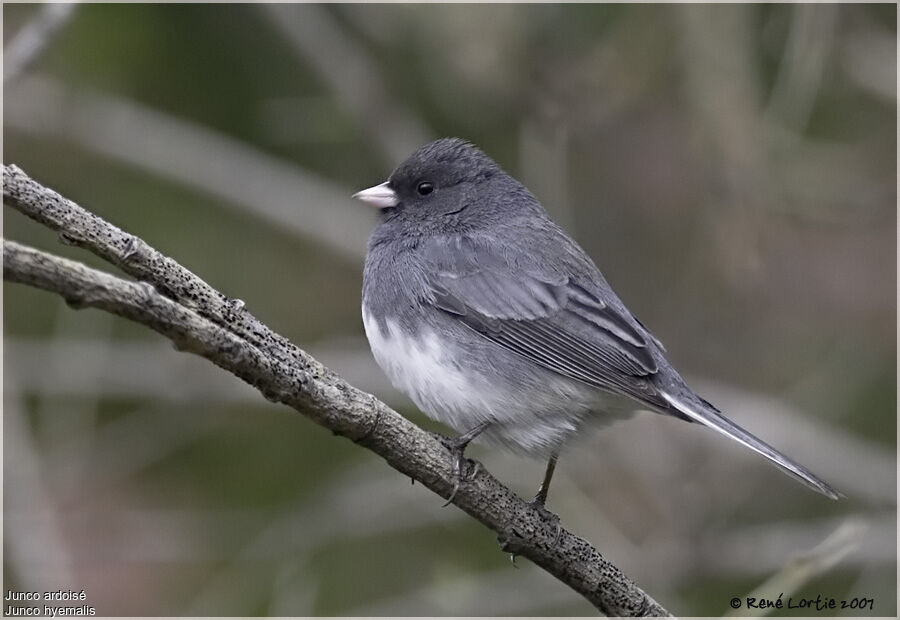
[495,322]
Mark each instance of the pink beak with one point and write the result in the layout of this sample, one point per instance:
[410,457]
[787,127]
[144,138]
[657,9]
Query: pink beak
[380,196]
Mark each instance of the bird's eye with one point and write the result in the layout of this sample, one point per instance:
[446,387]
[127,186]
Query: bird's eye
[425,188]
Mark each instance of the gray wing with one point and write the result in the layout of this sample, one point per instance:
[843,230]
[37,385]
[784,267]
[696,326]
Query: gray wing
[550,316]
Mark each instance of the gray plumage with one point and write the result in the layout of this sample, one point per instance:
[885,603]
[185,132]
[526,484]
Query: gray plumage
[481,309]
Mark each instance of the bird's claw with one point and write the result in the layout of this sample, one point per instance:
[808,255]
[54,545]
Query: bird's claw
[459,463]
[457,473]
[546,515]
[457,445]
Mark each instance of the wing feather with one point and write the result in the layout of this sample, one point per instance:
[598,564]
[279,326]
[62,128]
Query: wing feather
[545,316]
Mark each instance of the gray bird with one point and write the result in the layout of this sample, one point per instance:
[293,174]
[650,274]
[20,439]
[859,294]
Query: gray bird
[496,323]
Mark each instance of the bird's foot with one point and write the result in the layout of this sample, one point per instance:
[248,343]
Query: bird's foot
[511,542]
[463,468]
[550,517]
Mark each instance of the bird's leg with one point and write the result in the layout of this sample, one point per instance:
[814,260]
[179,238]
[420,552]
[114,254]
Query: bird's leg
[541,498]
[538,504]
[457,445]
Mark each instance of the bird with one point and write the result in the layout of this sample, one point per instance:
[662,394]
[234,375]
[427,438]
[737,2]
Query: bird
[496,323]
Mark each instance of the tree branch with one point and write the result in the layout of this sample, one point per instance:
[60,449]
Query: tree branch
[176,303]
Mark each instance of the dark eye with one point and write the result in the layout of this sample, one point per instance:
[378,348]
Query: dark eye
[425,188]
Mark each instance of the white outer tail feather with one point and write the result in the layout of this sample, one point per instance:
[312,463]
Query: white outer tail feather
[720,424]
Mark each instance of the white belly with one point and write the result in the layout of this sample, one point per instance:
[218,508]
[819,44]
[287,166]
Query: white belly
[535,419]
[420,368]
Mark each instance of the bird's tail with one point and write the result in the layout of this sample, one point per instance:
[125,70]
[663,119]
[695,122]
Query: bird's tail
[707,415]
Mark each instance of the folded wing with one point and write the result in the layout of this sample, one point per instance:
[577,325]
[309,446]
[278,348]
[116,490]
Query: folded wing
[547,315]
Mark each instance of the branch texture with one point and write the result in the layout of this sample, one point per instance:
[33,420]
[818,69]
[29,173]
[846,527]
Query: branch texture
[176,303]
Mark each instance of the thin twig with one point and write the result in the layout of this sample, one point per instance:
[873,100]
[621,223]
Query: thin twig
[25,484]
[34,37]
[174,302]
[805,567]
[318,40]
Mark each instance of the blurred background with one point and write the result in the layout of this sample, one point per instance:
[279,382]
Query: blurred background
[731,169]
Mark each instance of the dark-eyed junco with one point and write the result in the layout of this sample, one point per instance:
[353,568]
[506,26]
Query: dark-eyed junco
[495,322]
